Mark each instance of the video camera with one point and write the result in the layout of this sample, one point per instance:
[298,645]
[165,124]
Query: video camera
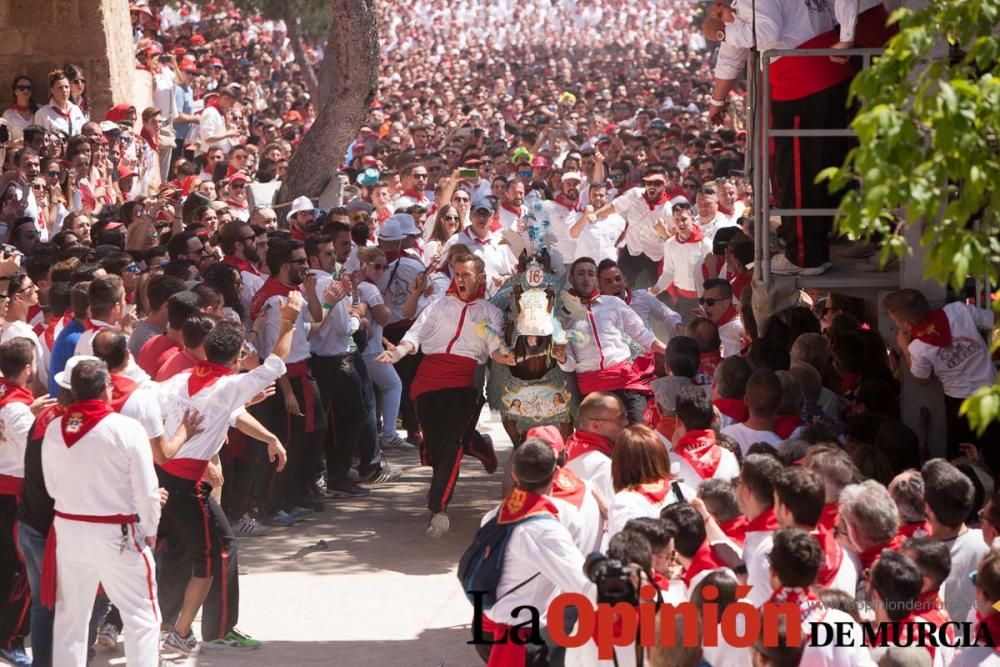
[614,581]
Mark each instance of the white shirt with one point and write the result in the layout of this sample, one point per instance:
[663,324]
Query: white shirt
[715,224]
[219,404]
[602,338]
[965,366]
[626,505]
[510,220]
[52,119]
[334,335]
[143,405]
[499,260]
[451,326]
[847,12]
[560,220]
[641,239]
[395,284]
[959,593]
[977,656]
[851,653]
[16,123]
[650,309]
[732,333]
[21,329]
[15,422]
[371,297]
[107,471]
[594,468]
[682,264]
[300,348]
[729,468]
[756,550]
[212,124]
[599,239]
[846,578]
[747,437]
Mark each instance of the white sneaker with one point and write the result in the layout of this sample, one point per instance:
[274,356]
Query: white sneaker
[439,525]
[782,266]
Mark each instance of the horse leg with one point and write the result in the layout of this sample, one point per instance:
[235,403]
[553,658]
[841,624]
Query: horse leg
[515,436]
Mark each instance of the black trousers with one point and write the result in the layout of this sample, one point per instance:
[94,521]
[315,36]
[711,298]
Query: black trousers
[196,539]
[406,368]
[303,443]
[448,418]
[246,475]
[635,404]
[15,594]
[349,399]
[797,161]
[640,271]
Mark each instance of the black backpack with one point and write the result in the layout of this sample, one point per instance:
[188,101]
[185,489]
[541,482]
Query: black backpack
[482,563]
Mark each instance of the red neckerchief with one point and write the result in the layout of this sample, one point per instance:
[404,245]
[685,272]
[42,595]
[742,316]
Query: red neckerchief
[915,529]
[870,555]
[566,202]
[121,388]
[655,492]
[900,633]
[735,529]
[828,519]
[933,329]
[833,556]
[763,522]
[87,197]
[271,287]
[740,282]
[475,239]
[734,408]
[663,199]
[241,264]
[50,329]
[733,313]
[667,426]
[696,235]
[803,598]
[628,297]
[154,142]
[298,234]
[393,256]
[480,291]
[12,393]
[17,107]
[567,486]
[205,374]
[927,602]
[415,194]
[80,418]
[586,300]
[582,442]
[726,211]
[785,425]
[703,559]
[521,504]
[32,312]
[90,325]
[64,114]
[46,417]
[511,209]
[992,623]
[699,450]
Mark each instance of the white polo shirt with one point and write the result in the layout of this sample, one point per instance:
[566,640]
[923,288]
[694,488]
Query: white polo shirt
[965,365]
[641,238]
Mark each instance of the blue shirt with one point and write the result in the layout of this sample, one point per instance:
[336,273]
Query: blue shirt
[184,103]
[62,350]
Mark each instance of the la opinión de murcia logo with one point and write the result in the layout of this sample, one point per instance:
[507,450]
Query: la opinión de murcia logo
[740,625]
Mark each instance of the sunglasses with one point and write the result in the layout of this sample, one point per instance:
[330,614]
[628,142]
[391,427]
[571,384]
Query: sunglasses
[710,302]
[453,218]
[53,174]
[464,200]
[134,268]
[24,88]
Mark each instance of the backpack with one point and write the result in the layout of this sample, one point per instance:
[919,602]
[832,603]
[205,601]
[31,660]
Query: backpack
[482,563]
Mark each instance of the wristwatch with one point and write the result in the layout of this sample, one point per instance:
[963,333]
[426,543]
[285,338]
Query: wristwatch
[720,36]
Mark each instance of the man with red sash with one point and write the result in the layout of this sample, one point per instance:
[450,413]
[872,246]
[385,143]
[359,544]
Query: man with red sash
[295,413]
[755,497]
[795,560]
[456,333]
[806,93]
[868,524]
[17,412]
[301,216]
[512,210]
[729,385]
[564,210]
[600,420]
[161,348]
[893,588]
[540,554]
[946,343]
[107,306]
[691,544]
[100,538]
[599,332]
[239,243]
[22,295]
[703,331]
[933,559]
[191,515]
[798,503]
[684,254]
[696,453]
[986,652]
[716,303]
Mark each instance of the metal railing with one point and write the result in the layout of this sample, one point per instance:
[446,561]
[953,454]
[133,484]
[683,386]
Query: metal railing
[759,112]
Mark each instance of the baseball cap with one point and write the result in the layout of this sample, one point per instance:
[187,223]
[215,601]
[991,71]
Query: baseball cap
[540,162]
[369,177]
[549,435]
[64,376]
[520,153]
[398,227]
[482,203]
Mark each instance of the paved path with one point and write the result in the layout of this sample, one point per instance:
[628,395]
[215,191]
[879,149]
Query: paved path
[381,593]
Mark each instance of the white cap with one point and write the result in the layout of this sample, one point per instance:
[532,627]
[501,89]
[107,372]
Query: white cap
[300,204]
[64,376]
[398,227]
[572,176]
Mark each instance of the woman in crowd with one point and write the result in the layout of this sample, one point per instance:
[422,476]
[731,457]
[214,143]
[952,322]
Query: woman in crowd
[21,113]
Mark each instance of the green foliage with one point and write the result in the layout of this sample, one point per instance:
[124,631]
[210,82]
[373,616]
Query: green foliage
[928,128]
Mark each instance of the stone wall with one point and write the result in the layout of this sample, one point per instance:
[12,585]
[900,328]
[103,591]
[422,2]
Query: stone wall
[37,36]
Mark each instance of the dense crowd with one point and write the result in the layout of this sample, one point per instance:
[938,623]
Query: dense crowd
[272,352]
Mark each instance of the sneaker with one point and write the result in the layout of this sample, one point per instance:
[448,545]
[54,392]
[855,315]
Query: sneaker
[782,266]
[858,250]
[299,513]
[15,656]
[107,636]
[281,518]
[439,525]
[346,488]
[383,475]
[398,443]
[248,527]
[235,638]
[186,645]
[482,448]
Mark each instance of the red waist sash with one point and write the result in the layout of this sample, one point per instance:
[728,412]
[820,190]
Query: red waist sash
[624,376]
[443,371]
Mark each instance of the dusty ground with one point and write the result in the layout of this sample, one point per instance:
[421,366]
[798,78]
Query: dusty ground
[380,593]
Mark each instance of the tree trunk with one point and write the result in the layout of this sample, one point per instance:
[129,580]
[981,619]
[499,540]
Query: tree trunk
[349,73]
[294,26]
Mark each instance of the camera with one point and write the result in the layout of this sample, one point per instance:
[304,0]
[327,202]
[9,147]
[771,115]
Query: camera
[614,580]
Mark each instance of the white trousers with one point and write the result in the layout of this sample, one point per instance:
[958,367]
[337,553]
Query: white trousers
[88,554]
